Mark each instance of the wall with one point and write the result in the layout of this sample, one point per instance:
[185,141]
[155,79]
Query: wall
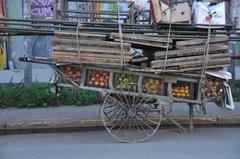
[41,9]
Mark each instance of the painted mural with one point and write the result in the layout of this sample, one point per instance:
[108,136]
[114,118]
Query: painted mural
[2,48]
[41,45]
[41,9]
[2,57]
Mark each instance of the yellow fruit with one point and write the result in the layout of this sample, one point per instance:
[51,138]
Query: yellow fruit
[183,94]
[186,91]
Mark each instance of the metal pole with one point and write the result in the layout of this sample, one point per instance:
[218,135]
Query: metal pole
[28,49]
[54,8]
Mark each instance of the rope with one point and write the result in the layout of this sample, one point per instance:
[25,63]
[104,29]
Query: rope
[120,37]
[168,41]
[205,64]
[205,61]
[79,26]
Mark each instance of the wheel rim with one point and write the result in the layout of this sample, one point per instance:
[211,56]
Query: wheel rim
[131,117]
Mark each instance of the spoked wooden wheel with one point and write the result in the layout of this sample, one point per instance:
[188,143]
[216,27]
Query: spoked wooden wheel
[131,114]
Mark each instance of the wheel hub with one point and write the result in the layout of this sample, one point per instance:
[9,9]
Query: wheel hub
[132,112]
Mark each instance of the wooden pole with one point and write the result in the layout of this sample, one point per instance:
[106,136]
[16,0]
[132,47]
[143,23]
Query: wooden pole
[191,124]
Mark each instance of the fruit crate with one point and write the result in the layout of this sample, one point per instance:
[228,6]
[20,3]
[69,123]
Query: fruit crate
[72,72]
[213,87]
[96,78]
[124,81]
[153,85]
[185,90]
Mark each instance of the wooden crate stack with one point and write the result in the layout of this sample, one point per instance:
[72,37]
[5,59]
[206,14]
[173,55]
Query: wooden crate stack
[188,56]
[94,49]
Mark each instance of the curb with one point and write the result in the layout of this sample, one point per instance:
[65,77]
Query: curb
[81,123]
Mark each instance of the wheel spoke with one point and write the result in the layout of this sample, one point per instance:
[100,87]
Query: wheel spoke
[125,98]
[148,119]
[120,127]
[142,126]
[146,123]
[121,104]
[115,120]
[111,110]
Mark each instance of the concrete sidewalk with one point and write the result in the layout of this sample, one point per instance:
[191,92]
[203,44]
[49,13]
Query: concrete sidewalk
[89,116]
[17,75]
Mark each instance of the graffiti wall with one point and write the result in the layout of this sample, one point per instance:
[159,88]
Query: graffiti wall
[41,9]
[2,56]
[41,45]
[2,44]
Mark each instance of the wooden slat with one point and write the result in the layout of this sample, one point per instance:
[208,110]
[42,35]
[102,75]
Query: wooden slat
[67,35]
[185,60]
[91,55]
[213,61]
[144,44]
[137,37]
[72,42]
[202,41]
[85,49]
[215,48]
[220,66]
[89,59]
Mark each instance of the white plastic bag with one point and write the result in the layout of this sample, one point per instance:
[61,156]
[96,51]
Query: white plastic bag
[203,10]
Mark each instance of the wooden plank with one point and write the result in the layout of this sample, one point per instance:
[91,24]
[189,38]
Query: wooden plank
[84,49]
[208,67]
[140,59]
[144,44]
[215,48]
[89,59]
[213,61]
[181,60]
[72,42]
[92,55]
[202,41]
[68,35]
[137,37]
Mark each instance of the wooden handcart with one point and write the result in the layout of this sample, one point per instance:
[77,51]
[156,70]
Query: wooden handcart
[134,101]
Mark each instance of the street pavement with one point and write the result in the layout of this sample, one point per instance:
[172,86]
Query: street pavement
[204,143]
[93,112]
[89,116]
[17,75]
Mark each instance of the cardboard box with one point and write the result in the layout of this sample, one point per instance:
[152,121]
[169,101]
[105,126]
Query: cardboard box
[179,13]
[161,12]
